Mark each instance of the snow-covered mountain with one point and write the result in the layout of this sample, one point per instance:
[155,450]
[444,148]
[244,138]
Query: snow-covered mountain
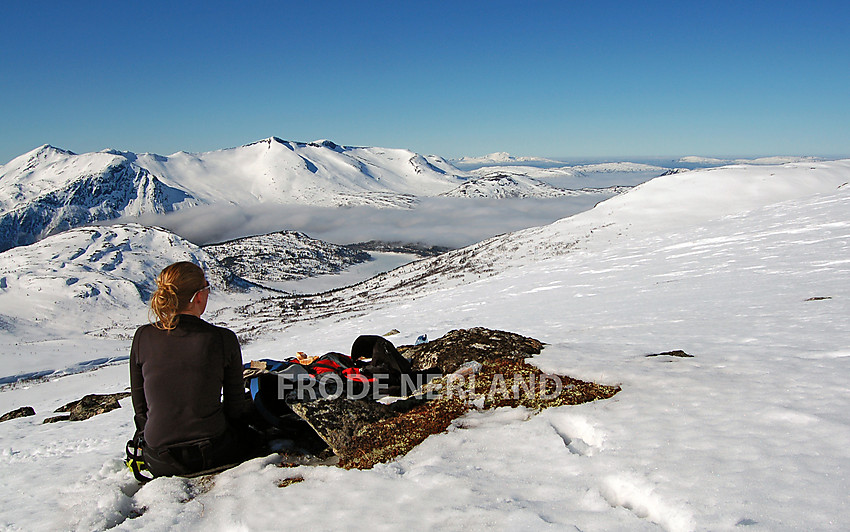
[501,185]
[49,190]
[107,274]
[315,173]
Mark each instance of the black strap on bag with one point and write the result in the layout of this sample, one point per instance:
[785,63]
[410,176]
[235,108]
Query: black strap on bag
[382,352]
[136,460]
[385,361]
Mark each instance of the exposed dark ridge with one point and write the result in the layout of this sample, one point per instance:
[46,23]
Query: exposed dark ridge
[422,250]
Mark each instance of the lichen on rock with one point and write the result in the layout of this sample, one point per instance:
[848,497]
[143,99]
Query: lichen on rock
[363,433]
[23,411]
[459,346]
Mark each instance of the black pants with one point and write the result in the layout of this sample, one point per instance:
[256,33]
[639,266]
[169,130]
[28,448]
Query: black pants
[231,448]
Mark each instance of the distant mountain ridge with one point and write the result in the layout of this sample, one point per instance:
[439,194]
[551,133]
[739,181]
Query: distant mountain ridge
[49,190]
[503,186]
[101,276]
[499,158]
[779,159]
[569,171]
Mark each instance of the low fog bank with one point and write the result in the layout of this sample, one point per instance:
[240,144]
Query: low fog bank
[452,222]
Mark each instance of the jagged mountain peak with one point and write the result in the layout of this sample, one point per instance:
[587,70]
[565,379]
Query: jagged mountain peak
[49,148]
[116,151]
[42,153]
[326,144]
[291,144]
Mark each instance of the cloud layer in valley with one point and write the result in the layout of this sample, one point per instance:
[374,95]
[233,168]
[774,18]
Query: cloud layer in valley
[449,222]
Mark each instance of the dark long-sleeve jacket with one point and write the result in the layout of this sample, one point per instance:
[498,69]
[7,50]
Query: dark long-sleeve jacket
[177,378]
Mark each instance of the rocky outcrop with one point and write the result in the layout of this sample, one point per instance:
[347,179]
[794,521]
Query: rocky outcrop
[338,420]
[283,256]
[488,371]
[675,353]
[23,411]
[88,406]
[463,345]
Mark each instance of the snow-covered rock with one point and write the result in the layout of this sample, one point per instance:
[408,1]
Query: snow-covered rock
[283,256]
[506,186]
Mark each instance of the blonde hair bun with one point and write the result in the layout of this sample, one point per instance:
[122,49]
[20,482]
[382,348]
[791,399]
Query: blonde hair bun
[176,284]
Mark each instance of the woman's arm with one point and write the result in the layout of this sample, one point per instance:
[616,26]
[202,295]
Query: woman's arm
[137,387]
[236,404]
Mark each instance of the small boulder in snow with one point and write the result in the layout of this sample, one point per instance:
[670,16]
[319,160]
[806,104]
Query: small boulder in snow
[92,405]
[23,411]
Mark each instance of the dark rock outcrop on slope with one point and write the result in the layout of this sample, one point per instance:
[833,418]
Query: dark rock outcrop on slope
[283,256]
[88,406]
[337,420]
[23,411]
[675,353]
[463,345]
[421,250]
[363,433]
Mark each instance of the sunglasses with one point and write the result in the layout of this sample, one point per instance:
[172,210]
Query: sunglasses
[206,287]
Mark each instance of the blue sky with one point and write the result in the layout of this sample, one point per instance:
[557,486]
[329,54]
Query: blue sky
[557,79]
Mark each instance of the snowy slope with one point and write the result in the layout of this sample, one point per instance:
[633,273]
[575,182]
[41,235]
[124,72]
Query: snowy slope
[662,205]
[746,271]
[49,190]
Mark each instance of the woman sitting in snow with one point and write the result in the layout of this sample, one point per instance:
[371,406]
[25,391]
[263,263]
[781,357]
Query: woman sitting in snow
[178,369]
